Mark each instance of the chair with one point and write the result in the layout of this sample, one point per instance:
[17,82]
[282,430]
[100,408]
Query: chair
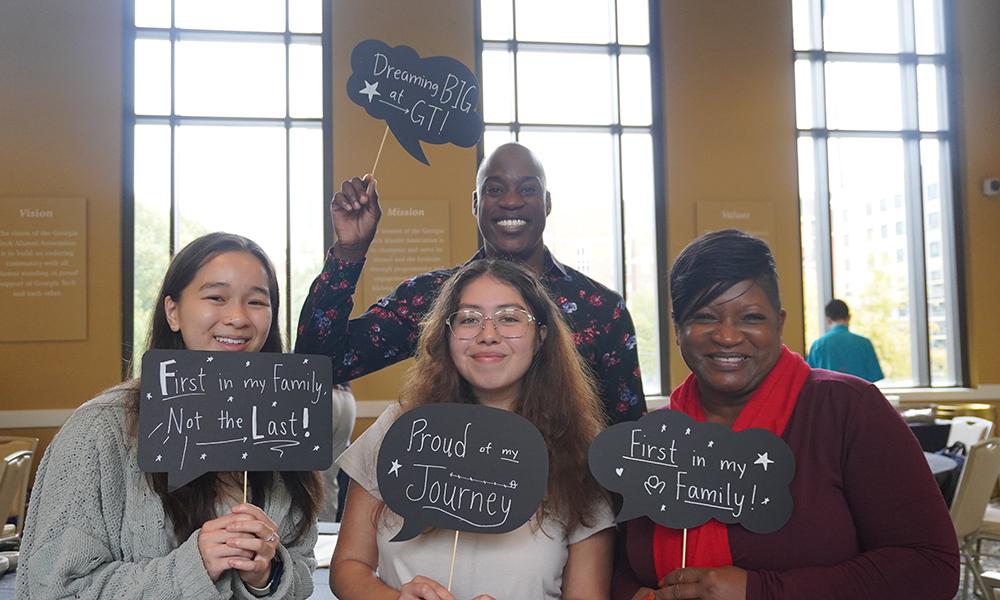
[982,467]
[969,430]
[15,471]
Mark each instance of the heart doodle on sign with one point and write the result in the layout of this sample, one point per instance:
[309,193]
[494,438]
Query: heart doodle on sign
[619,471]
[654,483]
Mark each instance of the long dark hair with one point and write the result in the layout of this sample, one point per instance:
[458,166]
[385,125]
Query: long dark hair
[557,391]
[189,506]
[715,262]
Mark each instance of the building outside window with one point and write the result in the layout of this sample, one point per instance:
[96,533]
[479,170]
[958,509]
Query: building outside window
[876,148]
[572,80]
[226,135]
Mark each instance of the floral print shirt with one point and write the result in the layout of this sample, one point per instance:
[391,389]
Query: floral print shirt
[387,332]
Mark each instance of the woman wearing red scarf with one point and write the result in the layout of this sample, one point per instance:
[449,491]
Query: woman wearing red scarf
[869,521]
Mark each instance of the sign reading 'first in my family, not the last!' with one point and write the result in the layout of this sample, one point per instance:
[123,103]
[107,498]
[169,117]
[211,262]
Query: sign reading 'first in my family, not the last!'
[203,412]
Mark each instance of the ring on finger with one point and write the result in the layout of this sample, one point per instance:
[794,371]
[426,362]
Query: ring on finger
[272,537]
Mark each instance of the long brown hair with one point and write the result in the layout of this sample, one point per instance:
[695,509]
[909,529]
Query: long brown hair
[557,391]
[191,505]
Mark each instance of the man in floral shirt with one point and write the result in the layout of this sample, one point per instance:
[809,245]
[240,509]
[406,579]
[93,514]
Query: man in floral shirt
[510,205]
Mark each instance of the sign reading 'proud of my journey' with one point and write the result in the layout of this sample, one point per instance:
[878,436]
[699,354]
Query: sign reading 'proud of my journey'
[233,411]
[462,467]
[431,99]
[681,473]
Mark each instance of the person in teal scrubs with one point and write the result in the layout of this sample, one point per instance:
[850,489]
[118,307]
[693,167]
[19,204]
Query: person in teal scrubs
[841,350]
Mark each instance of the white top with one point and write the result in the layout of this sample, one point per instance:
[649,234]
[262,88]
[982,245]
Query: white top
[525,563]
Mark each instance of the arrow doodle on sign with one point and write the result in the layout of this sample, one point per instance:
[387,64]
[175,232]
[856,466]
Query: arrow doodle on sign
[242,439]
[399,108]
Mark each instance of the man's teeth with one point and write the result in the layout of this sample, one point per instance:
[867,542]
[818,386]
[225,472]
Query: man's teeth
[226,340]
[512,223]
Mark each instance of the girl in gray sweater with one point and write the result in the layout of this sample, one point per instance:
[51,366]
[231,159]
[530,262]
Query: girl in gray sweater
[98,527]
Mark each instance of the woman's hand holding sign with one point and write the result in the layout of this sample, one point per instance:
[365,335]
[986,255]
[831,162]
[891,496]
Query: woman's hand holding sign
[213,544]
[355,213]
[722,583]
[245,539]
[424,588]
[260,538]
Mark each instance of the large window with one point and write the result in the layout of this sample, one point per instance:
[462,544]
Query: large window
[875,172]
[227,135]
[572,80]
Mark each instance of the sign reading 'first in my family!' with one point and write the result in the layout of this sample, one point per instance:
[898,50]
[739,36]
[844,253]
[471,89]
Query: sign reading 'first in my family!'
[431,99]
[201,412]
[681,473]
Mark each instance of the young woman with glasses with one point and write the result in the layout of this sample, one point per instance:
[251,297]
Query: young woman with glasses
[492,337]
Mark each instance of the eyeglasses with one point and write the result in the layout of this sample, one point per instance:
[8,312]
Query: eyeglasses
[510,323]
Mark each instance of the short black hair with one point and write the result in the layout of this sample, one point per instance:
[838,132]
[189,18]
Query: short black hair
[715,262]
[837,310]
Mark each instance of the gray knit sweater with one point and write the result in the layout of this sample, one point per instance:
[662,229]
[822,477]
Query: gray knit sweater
[96,530]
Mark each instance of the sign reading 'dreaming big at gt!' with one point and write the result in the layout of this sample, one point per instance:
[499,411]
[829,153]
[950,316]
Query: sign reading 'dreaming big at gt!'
[431,99]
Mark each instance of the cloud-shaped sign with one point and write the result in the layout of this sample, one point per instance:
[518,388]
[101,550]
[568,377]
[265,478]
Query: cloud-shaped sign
[201,412]
[463,467]
[430,99]
[681,473]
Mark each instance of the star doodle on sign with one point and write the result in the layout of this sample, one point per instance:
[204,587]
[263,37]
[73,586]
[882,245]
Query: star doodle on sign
[159,458]
[663,428]
[229,399]
[315,448]
[371,89]
[149,396]
[248,364]
[203,455]
[275,403]
[305,361]
[711,443]
[765,500]
[687,431]
[244,457]
[394,469]
[663,507]
[763,460]
[210,359]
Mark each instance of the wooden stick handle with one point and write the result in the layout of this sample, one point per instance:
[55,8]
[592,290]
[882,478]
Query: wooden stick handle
[451,571]
[684,549]
[380,146]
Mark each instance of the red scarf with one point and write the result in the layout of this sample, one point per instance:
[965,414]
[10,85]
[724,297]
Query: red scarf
[769,408]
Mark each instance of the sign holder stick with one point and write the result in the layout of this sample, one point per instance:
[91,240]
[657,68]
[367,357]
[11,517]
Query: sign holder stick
[244,487]
[684,549]
[380,146]
[454,549]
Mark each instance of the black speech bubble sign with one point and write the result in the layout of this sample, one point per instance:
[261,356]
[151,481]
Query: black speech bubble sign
[233,411]
[431,99]
[681,473]
[464,467]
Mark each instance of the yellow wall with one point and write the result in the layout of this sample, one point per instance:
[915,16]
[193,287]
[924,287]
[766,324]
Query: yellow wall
[978,39]
[729,106]
[60,135]
[729,136]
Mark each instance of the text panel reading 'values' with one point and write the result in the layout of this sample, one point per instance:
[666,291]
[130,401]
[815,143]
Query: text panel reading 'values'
[203,412]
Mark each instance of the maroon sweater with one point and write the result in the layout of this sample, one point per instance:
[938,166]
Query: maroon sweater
[869,520]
